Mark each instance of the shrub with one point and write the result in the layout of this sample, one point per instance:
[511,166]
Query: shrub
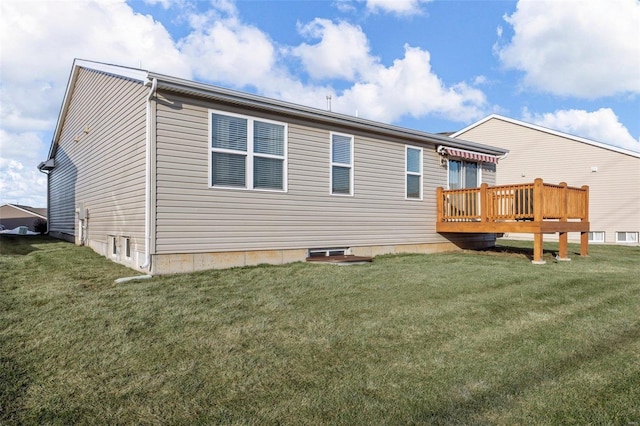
[40,226]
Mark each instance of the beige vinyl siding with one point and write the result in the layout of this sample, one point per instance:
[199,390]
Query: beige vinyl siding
[614,204]
[191,217]
[105,168]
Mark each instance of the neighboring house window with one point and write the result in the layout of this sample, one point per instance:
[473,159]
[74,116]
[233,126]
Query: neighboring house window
[341,164]
[627,237]
[463,174]
[413,170]
[247,152]
[596,237]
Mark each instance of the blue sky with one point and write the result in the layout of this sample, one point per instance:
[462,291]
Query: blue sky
[437,66]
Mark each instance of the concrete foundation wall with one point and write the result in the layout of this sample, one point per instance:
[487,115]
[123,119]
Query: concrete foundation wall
[163,264]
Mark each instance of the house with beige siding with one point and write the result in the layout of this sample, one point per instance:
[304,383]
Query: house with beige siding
[15,215]
[168,175]
[612,173]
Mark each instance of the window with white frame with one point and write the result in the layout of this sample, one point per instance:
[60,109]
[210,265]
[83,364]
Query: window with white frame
[463,174]
[341,164]
[627,237]
[413,171]
[247,152]
[596,236]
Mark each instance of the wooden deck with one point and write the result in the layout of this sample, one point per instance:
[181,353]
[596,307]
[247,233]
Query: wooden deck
[538,208]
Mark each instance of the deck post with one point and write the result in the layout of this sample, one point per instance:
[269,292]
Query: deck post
[584,236]
[484,203]
[538,249]
[538,200]
[439,204]
[538,215]
[563,237]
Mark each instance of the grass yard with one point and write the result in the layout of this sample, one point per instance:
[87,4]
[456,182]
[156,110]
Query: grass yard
[453,338]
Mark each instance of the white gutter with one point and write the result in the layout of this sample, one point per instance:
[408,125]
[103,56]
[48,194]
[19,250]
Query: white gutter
[147,185]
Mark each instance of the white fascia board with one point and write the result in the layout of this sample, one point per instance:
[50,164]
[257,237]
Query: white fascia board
[26,211]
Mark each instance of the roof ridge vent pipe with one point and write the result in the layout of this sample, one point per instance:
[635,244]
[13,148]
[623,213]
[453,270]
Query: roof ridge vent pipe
[147,184]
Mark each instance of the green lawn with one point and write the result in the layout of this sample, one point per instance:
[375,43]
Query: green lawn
[453,338]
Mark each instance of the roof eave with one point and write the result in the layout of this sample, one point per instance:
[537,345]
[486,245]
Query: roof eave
[232,96]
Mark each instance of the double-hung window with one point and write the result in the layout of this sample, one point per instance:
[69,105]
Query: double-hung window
[413,171]
[341,164]
[463,174]
[247,152]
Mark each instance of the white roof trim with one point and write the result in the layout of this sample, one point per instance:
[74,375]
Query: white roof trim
[130,73]
[24,210]
[202,89]
[459,134]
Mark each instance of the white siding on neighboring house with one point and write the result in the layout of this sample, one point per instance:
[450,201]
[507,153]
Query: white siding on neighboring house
[100,161]
[613,176]
[192,217]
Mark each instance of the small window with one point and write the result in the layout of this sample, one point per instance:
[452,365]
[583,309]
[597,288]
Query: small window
[324,252]
[341,164]
[627,237]
[127,247]
[596,237]
[413,170]
[113,245]
[247,153]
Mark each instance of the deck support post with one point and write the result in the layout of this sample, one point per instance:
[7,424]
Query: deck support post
[439,204]
[538,249]
[563,240]
[584,236]
[563,247]
[584,244]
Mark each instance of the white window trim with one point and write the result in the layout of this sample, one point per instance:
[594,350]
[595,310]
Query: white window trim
[595,241]
[480,163]
[619,241]
[351,166]
[249,154]
[408,173]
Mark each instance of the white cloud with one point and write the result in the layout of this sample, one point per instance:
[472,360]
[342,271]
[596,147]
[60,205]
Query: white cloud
[166,4]
[20,184]
[397,7]
[37,53]
[586,49]
[602,125]
[343,50]
[20,181]
[409,86]
[223,49]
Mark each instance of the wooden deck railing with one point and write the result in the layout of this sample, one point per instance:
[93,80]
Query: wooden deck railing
[536,201]
[536,208]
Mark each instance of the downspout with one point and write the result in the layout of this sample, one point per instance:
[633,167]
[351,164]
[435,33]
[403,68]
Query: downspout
[147,185]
